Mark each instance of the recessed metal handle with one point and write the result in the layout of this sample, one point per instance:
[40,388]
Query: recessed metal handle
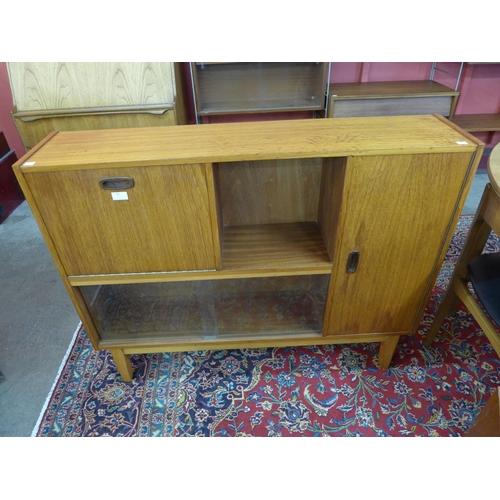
[116,182]
[352,261]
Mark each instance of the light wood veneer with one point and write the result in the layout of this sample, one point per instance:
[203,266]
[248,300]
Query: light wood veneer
[60,96]
[268,201]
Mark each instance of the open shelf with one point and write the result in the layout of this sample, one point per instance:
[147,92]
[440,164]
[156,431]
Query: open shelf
[259,105]
[275,246]
[489,122]
[269,213]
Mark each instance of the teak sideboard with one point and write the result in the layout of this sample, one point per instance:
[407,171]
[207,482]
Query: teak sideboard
[250,235]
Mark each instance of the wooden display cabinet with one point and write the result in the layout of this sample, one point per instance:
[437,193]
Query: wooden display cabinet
[280,233]
[414,97]
[97,95]
[252,87]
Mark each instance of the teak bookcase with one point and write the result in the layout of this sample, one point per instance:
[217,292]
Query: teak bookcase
[279,233]
[257,87]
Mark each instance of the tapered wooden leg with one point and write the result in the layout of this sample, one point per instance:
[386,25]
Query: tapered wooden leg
[123,364]
[449,303]
[386,351]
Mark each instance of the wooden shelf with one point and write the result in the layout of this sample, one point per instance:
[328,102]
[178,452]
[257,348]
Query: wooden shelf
[260,106]
[277,247]
[478,122]
[389,89]
[247,251]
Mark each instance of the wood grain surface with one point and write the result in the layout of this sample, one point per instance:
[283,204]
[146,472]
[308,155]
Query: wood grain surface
[390,89]
[267,192]
[60,85]
[286,139]
[392,205]
[275,246]
[33,129]
[164,225]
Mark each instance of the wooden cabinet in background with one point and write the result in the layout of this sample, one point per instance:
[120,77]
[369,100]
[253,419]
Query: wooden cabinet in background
[87,96]
[278,233]
[256,87]
[418,97]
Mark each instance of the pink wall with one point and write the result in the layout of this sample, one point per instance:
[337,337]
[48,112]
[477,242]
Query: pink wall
[347,72]
[479,88]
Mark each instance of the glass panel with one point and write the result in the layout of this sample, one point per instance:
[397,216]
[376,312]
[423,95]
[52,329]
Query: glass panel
[209,309]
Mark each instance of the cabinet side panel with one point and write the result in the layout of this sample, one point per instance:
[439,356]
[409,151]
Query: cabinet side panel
[214,210]
[268,192]
[73,292]
[179,96]
[163,225]
[397,215]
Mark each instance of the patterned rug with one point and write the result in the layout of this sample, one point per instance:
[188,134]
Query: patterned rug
[333,390]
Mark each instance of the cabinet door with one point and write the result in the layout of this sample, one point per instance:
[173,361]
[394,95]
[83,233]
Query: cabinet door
[396,213]
[164,224]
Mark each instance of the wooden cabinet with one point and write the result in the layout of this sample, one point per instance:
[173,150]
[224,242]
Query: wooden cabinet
[86,96]
[251,234]
[417,97]
[252,87]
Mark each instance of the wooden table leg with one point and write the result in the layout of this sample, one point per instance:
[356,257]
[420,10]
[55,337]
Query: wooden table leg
[449,303]
[386,352]
[479,233]
[123,364]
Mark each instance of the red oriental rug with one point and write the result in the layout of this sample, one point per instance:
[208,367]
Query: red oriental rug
[333,390]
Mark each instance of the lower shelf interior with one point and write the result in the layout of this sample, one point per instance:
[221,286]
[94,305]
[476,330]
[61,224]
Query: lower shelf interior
[177,311]
[275,246]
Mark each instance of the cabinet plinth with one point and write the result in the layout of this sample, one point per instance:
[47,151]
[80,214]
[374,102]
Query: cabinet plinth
[243,235]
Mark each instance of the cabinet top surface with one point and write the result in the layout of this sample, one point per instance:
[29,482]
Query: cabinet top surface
[184,144]
[385,89]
